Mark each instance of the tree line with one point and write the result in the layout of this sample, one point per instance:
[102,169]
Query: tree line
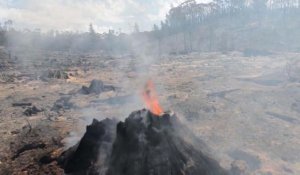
[222,25]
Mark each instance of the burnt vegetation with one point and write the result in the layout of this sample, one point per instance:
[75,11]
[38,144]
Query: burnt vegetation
[233,97]
[255,27]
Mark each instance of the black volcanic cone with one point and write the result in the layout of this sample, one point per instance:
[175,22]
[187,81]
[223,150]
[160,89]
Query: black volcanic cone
[146,144]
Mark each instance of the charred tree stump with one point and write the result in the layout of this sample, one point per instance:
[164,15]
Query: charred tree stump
[83,158]
[97,87]
[149,145]
[144,144]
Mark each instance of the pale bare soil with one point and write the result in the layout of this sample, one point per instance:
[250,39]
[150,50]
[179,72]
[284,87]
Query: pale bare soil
[244,108]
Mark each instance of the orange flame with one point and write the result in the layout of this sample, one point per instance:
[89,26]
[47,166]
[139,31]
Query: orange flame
[151,99]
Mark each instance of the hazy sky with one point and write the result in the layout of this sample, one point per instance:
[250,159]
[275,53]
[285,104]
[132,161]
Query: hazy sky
[76,15]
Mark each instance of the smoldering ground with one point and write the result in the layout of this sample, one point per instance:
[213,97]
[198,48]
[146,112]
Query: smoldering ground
[231,78]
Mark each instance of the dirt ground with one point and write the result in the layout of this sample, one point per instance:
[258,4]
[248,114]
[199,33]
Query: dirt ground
[244,108]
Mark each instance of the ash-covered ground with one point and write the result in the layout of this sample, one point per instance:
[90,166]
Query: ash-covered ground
[243,108]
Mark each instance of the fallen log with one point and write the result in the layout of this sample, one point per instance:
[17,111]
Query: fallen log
[27,147]
[21,104]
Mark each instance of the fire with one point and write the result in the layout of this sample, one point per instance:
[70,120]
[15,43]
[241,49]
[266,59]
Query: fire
[151,99]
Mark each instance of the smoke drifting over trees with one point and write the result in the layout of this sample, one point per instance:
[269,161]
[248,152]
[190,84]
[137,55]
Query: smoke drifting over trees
[222,25]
